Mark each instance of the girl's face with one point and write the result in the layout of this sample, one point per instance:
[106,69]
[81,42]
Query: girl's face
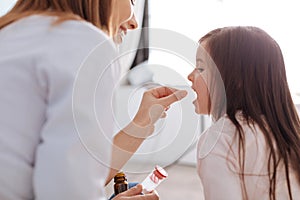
[198,77]
[124,18]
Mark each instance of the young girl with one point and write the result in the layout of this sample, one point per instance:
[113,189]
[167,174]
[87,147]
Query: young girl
[252,151]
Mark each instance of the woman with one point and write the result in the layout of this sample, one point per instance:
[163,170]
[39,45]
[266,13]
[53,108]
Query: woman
[44,44]
[252,151]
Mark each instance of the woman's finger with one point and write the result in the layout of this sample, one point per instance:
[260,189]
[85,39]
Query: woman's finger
[160,92]
[176,96]
[136,190]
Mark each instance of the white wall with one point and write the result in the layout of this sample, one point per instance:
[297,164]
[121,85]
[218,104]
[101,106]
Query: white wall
[5,5]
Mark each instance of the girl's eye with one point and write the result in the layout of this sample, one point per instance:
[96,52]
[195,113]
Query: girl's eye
[133,2]
[199,69]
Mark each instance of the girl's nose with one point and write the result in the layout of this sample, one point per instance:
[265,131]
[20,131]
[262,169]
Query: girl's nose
[191,76]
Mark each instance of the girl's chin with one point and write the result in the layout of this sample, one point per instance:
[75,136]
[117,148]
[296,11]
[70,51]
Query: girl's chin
[197,111]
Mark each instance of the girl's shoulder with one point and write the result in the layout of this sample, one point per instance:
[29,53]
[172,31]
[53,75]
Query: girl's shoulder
[216,137]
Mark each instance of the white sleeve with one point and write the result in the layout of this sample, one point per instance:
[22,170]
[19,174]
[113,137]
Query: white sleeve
[72,160]
[218,174]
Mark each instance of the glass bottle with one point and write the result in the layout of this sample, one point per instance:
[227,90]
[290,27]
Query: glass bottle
[154,179]
[121,183]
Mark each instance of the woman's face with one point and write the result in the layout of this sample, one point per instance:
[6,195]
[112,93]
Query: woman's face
[124,18]
[198,77]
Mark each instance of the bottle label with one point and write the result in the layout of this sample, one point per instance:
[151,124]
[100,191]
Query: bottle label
[154,178]
[121,188]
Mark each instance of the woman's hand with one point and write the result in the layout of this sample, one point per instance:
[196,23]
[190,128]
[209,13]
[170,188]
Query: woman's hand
[154,104]
[135,194]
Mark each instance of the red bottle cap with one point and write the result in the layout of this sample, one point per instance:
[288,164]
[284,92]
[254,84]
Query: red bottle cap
[160,172]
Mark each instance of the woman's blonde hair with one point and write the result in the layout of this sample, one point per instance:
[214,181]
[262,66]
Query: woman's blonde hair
[97,12]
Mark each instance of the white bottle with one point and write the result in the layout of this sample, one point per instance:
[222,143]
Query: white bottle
[154,179]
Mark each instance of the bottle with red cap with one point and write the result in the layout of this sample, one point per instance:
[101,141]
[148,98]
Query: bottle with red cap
[154,179]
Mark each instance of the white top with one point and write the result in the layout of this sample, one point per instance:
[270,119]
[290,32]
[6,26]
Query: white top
[218,164]
[41,156]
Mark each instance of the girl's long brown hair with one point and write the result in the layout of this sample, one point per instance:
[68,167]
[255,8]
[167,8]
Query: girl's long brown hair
[253,71]
[97,12]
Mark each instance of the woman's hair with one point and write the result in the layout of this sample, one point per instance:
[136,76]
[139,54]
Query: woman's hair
[252,68]
[97,12]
